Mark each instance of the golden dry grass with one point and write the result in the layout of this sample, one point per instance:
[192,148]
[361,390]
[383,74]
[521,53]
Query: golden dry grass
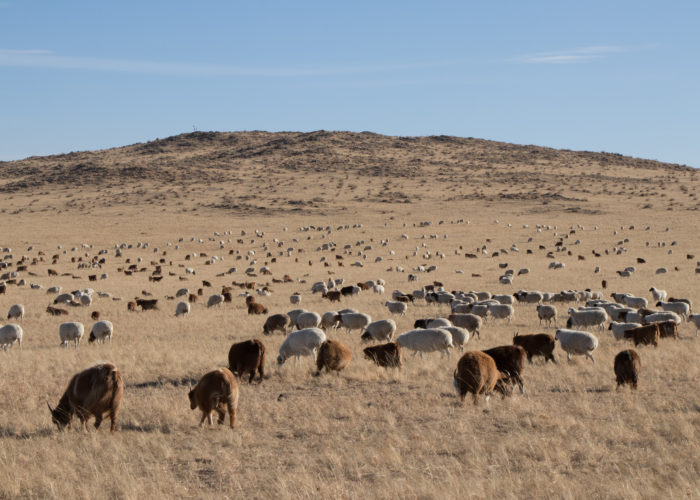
[367,432]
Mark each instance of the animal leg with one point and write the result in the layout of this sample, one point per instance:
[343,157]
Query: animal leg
[98,421]
[252,376]
[222,415]
[204,416]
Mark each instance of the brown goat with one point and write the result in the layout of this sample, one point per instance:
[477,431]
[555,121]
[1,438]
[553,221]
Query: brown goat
[538,344]
[247,357]
[192,298]
[276,322]
[147,304]
[627,367]
[55,311]
[332,295]
[92,392]
[510,359]
[216,391]
[255,308]
[646,335]
[95,315]
[227,296]
[131,305]
[332,355]
[386,355]
[477,373]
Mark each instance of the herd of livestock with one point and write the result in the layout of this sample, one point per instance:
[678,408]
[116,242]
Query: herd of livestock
[457,316]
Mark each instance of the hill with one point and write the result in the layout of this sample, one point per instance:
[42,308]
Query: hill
[327,172]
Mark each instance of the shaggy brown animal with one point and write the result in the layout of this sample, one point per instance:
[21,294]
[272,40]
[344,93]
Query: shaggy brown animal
[255,308]
[95,315]
[510,359]
[646,335]
[92,392]
[668,329]
[131,305]
[276,322]
[332,355]
[387,355]
[227,296]
[477,373]
[538,344]
[55,311]
[247,357]
[147,304]
[216,391]
[627,368]
[192,298]
[332,296]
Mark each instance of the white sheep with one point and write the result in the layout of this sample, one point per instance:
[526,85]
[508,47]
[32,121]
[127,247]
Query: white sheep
[354,321]
[636,302]
[71,330]
[101,330]
[378,289]
[547,313]
[695,319]
[426,340]
[460,336]
[295,299]
[329,320]
[293,315]
[215,300]
[63,298]
[182,308]
[308,319]
[471,322]
[438,323]
[658,294]
[85,300]
[500,311]
[619,329]
[9,334]
[659,317]
[504,299]
[16,312]
[481,310]
[304,342]
[182,292]
[680,308]
[590,317]
[396,307]
[577,343]
[382,330]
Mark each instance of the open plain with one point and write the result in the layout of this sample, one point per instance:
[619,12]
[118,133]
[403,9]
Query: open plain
[367,431]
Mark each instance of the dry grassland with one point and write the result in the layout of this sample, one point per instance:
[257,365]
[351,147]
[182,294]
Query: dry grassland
[367,432]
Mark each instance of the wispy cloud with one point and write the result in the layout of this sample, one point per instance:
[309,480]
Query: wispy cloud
[48,60]
[579,55]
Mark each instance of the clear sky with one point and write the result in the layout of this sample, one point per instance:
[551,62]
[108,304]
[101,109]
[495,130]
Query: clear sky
[615,75]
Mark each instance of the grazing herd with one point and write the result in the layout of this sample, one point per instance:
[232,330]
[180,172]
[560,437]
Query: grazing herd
[97,391]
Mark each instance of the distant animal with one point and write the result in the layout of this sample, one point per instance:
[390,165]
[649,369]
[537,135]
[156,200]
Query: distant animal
[383,329]
[305,342]
[256,308]
[216,391]
[16,312]
[91,393]
[95,315]
[538,344]
[276,322]
[55,311]
[576,342]
[385,355]
[215,300]
[182,308]
[627,367]
[147,304]
[9,334]
[477,373]
[131,305]
[247,357]
[71,330]
[100,331]
[333,355]
[647,335]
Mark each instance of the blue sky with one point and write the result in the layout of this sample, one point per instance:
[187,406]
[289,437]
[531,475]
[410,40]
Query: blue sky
[616,76]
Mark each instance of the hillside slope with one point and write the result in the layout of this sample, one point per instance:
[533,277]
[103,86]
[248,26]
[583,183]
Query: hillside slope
[326,172]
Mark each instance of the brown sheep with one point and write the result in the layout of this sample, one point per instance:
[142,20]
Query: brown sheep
[627,368]
[147,304]
[92,392]
[276,322]
[668,329]
[249,299]
[647,334]
[386,355]
[216,391]
[538,344]
[247,357]
[332,296]
[131,305]
[510,359]
[192,298]
[227,296]
[332,355]
[477,373]
[255,308]
[95,315]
